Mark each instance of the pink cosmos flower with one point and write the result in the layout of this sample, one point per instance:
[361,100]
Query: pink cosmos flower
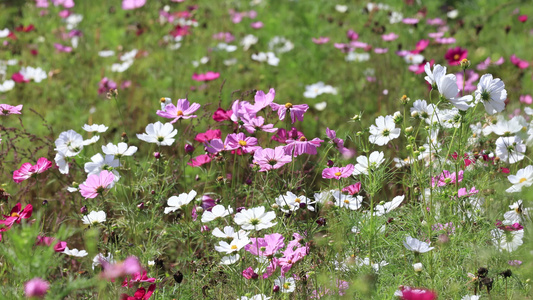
[352,189]
[132,4]
[445,40]
[208,76]
[446,178]
[224,36]
[410,21]
[240,141]
[470,83]
[420,46]
[526,99]
[269,159]
[436,35]
[462,192]
[381,50]
[522,18]
[215,146]
[129,266]
[302,145]
[62,48]
[140,294]
[183,110]
[16,215]
[352,35]
[417,294]
[261,100]
[6,109]
[436,22]
[200,160]
[64,3]
[41,3]
[455,55]
[521,64]
[251,124]
[338,172]
[48,241]
[389,37]
[96,184]
[320,40]
[249,273]
[63,15]
[268,246]
[208,135]
[257,25]
[105,85]
[296,111]
[137,277]
[36,288]
[27,170]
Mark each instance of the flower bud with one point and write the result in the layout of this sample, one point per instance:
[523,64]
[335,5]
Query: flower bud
[409,130]
[421,148]
[397,117]
[418,267]
[356,118]
[404,99]
[189,148]
[157,155]
[414,114]
[199,209]
[465,63]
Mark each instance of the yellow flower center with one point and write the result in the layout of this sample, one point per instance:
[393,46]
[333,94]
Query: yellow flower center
[179,113]
[347,201]
[522,179]
[338,174]
[15,215]
[162,100]
[288,105]
[286,286]
[297,200]
[233,247]
[302,139]
[242,143]
[404,97]
[456,56]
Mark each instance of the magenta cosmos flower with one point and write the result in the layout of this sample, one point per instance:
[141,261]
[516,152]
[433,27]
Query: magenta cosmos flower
[296,111]
[338,172]
[17,214]
[27,170]
[269,159]
[455,55]
[6,110]
[96,184]
[183,110]
[239,140]
[302,145]
[36,288]
[208,76]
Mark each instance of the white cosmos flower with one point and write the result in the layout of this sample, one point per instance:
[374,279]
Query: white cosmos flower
[176,202]
[413,59]
[491,92]
[230,259]
[286,285]
[280,45]
[523,178]
[510,149]
[218,211]
[422,110]
[255,218]
[518,214]
[347,201]
[319,88]
[4,33]
[91,141]
[61,163]
[106,53]
[341,8]
[31,73]
[95,128]
[129,55]
[7,85]
[69,143]
[447,87]
[94,217]
[366,262]
[121,67]
[371,162]
[248,41]
[229,233]
[507,240]
[290,202]
[235,245]
[438,72]
[98,163]
[98,258]
[384,132]
[357,57]
[164,102]
[508,127]
[268,57]
[159,133]
[416,245]
[119,150]
[75,252]
[387,207]
[471,297]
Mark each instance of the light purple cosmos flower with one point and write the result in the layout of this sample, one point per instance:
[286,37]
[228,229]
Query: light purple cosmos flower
[183,110]
[96,184]
[6,109]
[269,159]
[302,145]
[296,111]
[239,140]
[251,124]
[338,172]
[36,288]
[268,246]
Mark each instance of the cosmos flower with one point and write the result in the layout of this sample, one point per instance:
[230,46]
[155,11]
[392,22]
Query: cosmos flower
[338,172]
[416,245]
[296,111]
[455,55]
[255,218]
[96,184]
[269,159]
[384,131]
[491,92]
[182,110]
[6,109]
[26,170]
[159,133]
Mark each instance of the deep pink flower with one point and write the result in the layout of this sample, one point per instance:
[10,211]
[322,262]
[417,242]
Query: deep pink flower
[455,55]
[269,159]
[302,145]
[338,172]
[208,135]
[19,78]
[521,64]
[352,189]
[6,109]
[512,227]
[239,140]
[296,111]
[249,273]
[282,135]
[27,170]
[418,294]
[137,277]
[129,266]
[140,294]
[268,246]
[200,160]
[96,184]
[420,46]
[182,110]
[105,85]
[320,40]
[522,18]
[352,35]
[389,37]
[16,215]
[208,76]
[221,115]
[446,178]
[36,288]
[60,247]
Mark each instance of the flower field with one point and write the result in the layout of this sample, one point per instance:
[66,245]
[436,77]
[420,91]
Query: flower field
[256,149]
